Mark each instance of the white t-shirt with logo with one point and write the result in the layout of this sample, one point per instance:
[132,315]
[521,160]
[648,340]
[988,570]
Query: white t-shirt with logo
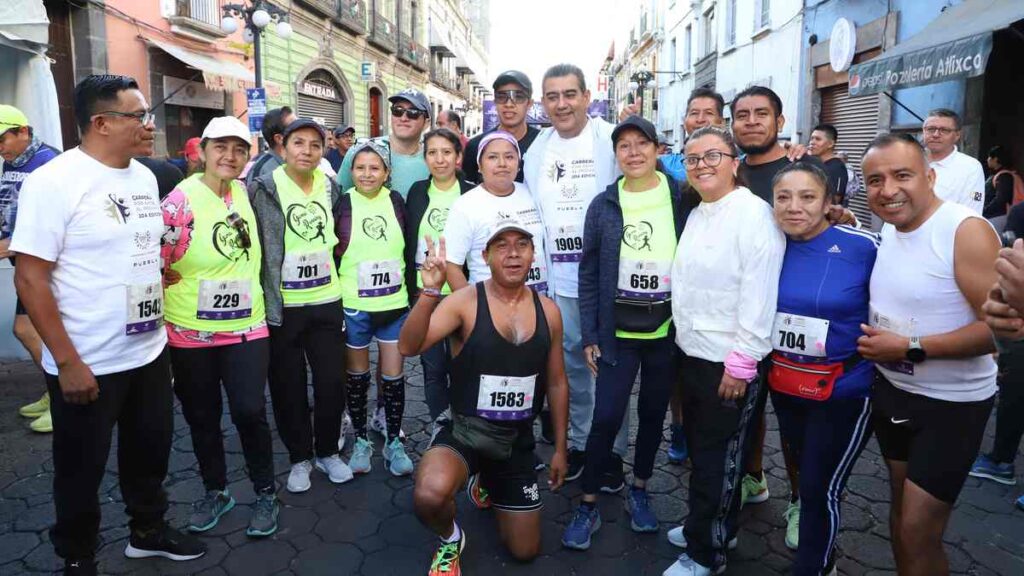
[101,228]
[960,179]
[567,184]
[471,219]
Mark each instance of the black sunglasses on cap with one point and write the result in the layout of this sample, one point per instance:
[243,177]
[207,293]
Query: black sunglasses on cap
[410,113]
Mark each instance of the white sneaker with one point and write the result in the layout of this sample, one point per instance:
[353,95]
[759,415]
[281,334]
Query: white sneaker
[346,428]
[686,566]
[298,478]
[677,538]
[379,424]
[335,468]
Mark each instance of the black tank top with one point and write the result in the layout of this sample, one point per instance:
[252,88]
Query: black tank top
[495,379]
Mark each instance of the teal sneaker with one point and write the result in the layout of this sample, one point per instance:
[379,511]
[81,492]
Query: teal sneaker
[264,515]
[793,525]
[207,511]
[360,460]
[397,461]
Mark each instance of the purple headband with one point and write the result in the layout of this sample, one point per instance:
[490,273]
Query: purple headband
[496,135]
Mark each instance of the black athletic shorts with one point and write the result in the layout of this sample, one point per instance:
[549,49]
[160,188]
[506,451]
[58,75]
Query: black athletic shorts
[511,484]
[938,439]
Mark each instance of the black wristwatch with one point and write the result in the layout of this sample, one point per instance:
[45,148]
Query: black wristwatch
[915,353]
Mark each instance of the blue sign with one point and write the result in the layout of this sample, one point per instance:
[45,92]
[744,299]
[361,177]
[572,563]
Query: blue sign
[256,99]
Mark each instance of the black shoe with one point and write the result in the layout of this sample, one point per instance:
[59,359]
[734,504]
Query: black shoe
[547,429]
[614,479]
[80,567]
[576,461]
[165,542]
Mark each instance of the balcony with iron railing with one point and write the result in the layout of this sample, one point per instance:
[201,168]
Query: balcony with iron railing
[440,77]
[383,35]
[199,19]
[324,7]
[410,52]
[351,16]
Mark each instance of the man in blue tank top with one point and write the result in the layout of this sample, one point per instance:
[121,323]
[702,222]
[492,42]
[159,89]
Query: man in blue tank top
[506,357]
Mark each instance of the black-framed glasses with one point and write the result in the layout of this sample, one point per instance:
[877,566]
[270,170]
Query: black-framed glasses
[241,228]
[410,113]
[711,159]
[514,96]
[144,117]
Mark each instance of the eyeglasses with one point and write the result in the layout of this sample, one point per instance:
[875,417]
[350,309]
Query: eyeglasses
[240,226]
[939,130]
[145,117]
[410,113]
[711,159]
[514,96]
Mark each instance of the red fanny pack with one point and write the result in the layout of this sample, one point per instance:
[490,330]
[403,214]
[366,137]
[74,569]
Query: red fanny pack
[809,381]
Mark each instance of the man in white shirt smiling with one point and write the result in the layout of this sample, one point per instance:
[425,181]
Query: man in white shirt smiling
[88,246]
[958,177]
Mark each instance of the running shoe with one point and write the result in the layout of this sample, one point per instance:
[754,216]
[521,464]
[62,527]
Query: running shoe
[80,567]
[583,524]
[677,538]
[792,516]
[395,458]
[298,478]
[447,558]
[477,494]
[207,511]
[359,462]
[677,450]
[37,408]
[346,428]
[43,424]
[264,515]
[379,424]
[686,566]
[576,461]
[1002,472]
[614,479]
[638,505]
[165,542]
[754,491]
[335,468]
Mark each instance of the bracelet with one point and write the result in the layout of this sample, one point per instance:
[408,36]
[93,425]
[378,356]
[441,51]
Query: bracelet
[433,292]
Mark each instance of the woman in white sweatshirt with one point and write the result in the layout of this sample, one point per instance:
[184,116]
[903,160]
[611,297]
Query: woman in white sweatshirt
[725,280]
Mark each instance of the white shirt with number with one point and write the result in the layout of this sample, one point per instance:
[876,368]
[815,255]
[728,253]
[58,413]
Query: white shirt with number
[101,228]
[960,179]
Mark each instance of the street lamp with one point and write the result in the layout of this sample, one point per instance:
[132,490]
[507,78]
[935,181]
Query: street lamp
[639,80]
[256,16]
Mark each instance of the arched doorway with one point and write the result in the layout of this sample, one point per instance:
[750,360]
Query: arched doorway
[321,98]
[376,117]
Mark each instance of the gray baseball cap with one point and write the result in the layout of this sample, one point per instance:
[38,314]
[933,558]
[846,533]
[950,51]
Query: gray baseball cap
[514,77]
[415,97]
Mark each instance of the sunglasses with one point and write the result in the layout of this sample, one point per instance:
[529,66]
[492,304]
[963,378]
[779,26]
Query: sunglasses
[514,96]
[241,228]
[410,113]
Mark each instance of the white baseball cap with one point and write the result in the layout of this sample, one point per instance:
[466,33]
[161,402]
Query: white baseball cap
[505,223]
[227,127]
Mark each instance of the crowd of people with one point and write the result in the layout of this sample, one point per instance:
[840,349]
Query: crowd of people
[536,274]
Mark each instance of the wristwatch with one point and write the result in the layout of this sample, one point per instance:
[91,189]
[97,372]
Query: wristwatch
[915,353]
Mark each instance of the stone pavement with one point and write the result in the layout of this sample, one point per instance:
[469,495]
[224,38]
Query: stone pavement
[367,526]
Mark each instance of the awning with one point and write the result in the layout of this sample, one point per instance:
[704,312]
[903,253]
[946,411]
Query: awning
[24,21]
[217,74]
[955,45]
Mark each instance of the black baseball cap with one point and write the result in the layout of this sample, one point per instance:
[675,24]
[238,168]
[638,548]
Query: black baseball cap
[635,122]
[339,130]
[301,123]
[515,77]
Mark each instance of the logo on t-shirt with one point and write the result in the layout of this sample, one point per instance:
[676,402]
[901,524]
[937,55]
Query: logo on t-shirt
[437,218]
[638,237]
[375,227]
[308,221]
[117,209]
[228,243]
[556,171]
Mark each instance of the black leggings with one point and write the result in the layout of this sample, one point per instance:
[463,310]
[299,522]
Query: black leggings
[1010,412]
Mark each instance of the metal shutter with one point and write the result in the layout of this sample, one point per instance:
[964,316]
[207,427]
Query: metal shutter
[856,120]
[330,113]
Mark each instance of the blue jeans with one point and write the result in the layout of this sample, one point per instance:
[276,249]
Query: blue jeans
[581,382]
[657,362]
[436,362]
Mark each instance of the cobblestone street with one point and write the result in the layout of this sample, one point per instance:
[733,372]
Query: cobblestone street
[367,526]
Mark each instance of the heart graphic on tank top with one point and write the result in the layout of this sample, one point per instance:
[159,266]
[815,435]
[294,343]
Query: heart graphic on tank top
[227,243]
[375,227]
[638,237]
[437,218]
[308,221]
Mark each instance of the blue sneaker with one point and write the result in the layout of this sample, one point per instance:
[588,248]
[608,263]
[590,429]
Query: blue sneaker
[583,524]
[677,450]
[359,462]
[638,505]
[1020,502]
[985,467]
[397,461]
